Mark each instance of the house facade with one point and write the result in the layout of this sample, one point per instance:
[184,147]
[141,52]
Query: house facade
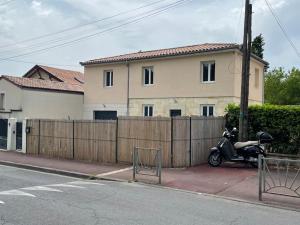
[49,96]
[192,80]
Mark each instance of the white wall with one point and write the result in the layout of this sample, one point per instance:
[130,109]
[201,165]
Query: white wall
[40,104]
[13,98]
[51,105]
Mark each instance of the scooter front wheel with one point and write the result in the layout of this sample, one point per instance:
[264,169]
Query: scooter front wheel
[215,159]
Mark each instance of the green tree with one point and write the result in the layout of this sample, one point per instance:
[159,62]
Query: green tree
[282,88]
[258,46]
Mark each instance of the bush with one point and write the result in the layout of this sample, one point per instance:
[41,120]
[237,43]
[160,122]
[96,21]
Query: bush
[282,122]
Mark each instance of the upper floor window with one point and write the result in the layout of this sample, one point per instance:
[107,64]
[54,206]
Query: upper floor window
[2,97]
[256,78]
[148,76]
[108,78]
[207,110]
[148,110]
[208,71]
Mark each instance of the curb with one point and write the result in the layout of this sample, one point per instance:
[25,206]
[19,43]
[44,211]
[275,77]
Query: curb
[59,172]
[47,170]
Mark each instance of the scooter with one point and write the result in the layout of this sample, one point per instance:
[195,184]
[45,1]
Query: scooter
[246,152]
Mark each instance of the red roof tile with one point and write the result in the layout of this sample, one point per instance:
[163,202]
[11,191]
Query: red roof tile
[186,50]
[43,84]
[68,76]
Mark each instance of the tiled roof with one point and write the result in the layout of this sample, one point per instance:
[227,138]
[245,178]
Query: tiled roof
[43,84]
[68,76]
[186,50]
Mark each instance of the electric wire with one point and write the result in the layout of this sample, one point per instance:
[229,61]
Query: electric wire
[80,25]
[175,4]
[281,26]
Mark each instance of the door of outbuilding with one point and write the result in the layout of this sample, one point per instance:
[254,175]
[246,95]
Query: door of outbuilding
[3,133]
[19,126]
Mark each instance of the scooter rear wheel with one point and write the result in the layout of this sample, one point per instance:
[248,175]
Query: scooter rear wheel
[215,159]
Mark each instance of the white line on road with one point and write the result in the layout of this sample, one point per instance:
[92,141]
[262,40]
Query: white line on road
[114,172]
[16,192]
[84,182]
[2,203]
[41,188]
[64,185]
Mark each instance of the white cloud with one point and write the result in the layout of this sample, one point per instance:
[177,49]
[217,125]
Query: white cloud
[192,23]
[262,7]
[39,9]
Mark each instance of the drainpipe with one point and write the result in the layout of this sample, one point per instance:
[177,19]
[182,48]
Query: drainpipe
[128,85]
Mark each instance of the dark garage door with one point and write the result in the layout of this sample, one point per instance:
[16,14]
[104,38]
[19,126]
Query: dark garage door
[105,115]
[175,112]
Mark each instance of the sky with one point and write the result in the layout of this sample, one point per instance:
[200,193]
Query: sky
[30,30]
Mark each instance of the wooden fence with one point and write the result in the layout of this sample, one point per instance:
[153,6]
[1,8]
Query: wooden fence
[184,141]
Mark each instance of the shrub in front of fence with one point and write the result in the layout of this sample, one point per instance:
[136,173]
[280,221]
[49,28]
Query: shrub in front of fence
[282,122]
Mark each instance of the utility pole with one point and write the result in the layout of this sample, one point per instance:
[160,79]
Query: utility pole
[243,120]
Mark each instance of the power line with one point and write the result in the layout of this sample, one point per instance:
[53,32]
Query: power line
[101,32]
[55,40]
[282,28]
[80,25]
[43,63]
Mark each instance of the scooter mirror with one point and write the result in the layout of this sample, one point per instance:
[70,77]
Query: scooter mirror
[234,129]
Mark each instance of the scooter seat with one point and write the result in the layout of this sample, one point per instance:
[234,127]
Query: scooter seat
[239,145]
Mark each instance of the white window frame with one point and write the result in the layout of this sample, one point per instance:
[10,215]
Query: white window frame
[109,73]
[207,110]
[148,105]
[3,100]
[209,63]
[150,68]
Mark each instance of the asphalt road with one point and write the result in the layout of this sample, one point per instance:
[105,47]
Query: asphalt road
[34,198]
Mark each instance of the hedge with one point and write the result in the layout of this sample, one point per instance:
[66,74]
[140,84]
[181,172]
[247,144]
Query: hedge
[282,122]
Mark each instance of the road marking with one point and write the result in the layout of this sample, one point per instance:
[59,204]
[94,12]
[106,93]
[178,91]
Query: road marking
[114,172]
[2,203]
[64,185]
[84,182]
[16,192]
[41,188]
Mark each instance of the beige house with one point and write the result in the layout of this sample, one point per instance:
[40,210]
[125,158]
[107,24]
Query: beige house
[192,80]
[43,93]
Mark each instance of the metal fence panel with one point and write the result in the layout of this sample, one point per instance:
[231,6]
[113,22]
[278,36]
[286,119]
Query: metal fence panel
[279,176]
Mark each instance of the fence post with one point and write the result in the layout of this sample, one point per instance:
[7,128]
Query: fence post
[172,153]
[11,133]
[39,142]
[159,166]
[73,153]
[24,136]
[134,163]
[117,127]
[190,141]
[259,177]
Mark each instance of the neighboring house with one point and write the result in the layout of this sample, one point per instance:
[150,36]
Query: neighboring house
[56,94]
[55,74]
[192,80]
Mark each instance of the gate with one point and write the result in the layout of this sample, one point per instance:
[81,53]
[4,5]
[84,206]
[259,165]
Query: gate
[19,135]
[279,176]
[3,133]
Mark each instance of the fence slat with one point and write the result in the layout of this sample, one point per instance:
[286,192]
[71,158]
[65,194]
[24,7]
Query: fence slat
[110,141]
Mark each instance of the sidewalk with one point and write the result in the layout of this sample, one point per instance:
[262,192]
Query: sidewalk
[230,181]
[60,166]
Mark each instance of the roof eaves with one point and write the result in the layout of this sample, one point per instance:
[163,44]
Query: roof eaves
[93,62]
